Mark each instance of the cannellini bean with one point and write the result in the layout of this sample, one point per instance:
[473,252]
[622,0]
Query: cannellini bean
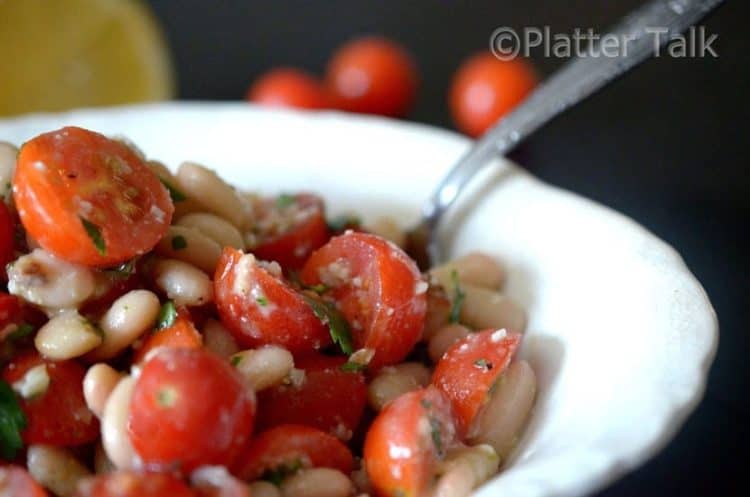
[128,318]
[56,469]
[66,336]
[8,154]
[114,424]
[206,187]
[388,228]
[98,384]
[484,308]
[444,338]
[216,480]
[507,410]
[393,381]
[317,482]
[438,311]
[191,246]
[265,366]
[466,470]
[183,283]
[183,206]
[102,464]
[262,488]
[45,280]
[474,268]
[218,339]
[218,229]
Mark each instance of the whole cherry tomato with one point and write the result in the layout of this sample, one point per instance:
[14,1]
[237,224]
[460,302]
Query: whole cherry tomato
[288,87]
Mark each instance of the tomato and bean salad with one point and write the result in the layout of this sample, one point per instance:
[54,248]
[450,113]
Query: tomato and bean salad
[166,334]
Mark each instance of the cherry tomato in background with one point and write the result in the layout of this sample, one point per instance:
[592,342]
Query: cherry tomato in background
[15,481]
[134,484]
[373,75]
[486,88]
[189,408]
[289,87]
[89,199]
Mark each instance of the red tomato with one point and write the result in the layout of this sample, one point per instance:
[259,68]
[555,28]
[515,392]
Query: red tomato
[288,87]
[182,334]
[289,447]
[89,199]
[16,482]
[374,76]
[72,423]
[189,408]
[400,455]
[379,290]
[7,238]
[486,88]
[132,484]
[289,229]
[329,399]
[469,369]
[260,308]
[10,311]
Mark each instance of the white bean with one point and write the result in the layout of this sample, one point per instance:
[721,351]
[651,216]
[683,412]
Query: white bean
[393,381]
[216,480]
[45,280]
[56,469]
[8,154]
[128,318]
[438,311]
[218,229]
[98,384]
[507,410]
[483,308]
[191,246]
[183,283]
[317,482]
[66,336]
[262,488]
[388,228]
[218,339]
[265,366]
[474,268]
[444,338]
[206,187]
[114,425]
[465,470]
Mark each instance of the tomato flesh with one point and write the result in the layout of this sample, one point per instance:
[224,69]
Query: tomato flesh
[133,484]
[181,333]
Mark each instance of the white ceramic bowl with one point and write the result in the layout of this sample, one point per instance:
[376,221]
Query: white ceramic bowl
[621,335]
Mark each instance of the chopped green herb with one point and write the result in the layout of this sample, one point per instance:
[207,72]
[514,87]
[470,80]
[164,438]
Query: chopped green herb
[437,438]
[12,421]
[166,397]
[178,242]
[458,298]
[167,315]
[338,327]
[353,367]
[344,222]
[22,331]
[320,288]
[262,301]
[483,364]
[282,471]
[284,200]
[235,360]
[426,403]
[174,193]
[95,233]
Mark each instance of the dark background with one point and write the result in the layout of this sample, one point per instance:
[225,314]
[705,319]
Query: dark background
[664,145]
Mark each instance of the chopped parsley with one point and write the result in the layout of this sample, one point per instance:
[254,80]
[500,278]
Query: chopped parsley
[235,360]
[320,288]
[95,233]
[12,421]
[174,193]
[262,301]
[353,367]
[330,316]
[344,222]
[458,298]
[167,315]
[483,364]
[284,200]
[437,437]
[178,242]
[22,331]
[282,471]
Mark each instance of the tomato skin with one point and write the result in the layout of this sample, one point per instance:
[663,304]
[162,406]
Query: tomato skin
[133,484]
[469,369]
[71,174]
[15,481]
[289,87]
[329,399]
[293,245]
[182,334]
[167,425]
[72,423]
[382,296]
[7,238]
[260,308]
[399,454]
[373,75]
[285,444]
[486,88]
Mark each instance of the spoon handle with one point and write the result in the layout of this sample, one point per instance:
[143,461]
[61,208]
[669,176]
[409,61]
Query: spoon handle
[648,28]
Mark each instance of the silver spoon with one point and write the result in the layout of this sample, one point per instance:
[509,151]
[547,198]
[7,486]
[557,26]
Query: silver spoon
[575,81]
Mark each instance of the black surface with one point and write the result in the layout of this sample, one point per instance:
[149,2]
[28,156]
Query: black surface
[665,145]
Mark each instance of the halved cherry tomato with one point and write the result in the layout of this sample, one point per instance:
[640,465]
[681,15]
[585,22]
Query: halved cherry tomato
[289,228]
[379,290]
[407,440]
[373,75]
[289,447]
[289,87]
[89,199]
[181,334]
[260,308]
[134,484]
[7,238]
[17,482]
[329,398]
[189,408]
[470,368]
[58,416]
[486,88]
